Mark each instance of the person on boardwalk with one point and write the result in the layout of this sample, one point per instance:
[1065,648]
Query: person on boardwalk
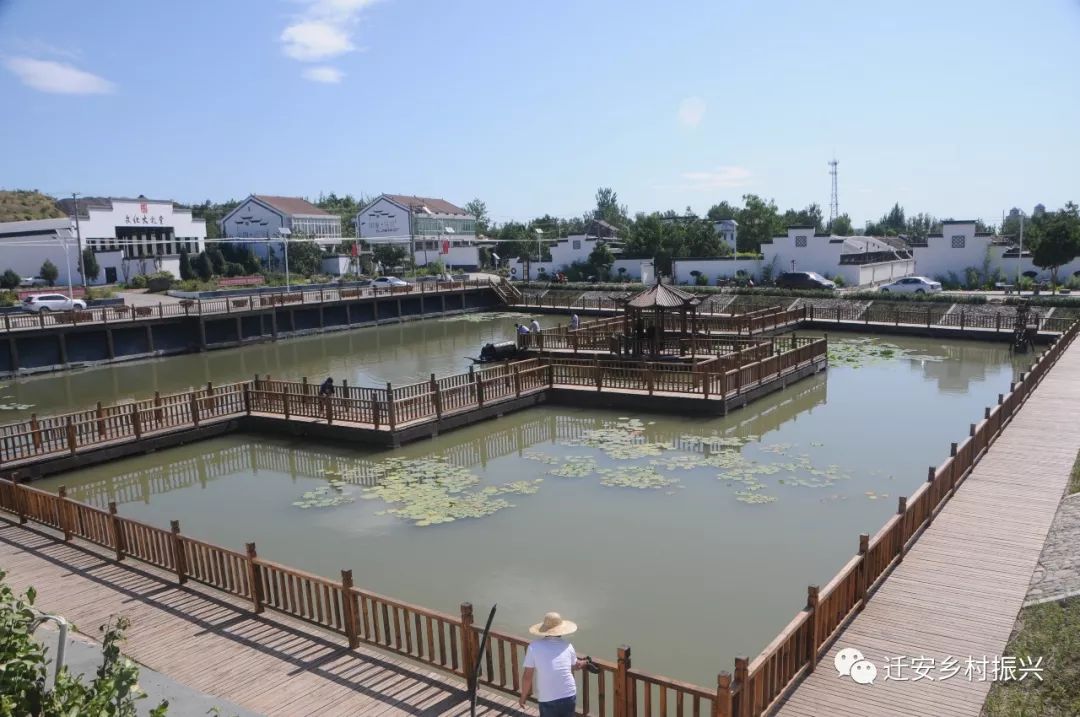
[534,327]
[550,663]
[522,329]
[575,322]
[327,387]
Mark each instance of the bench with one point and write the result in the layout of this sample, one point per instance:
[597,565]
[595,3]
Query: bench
[1007,288]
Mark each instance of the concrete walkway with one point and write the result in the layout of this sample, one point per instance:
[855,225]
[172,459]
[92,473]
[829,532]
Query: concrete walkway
[1058,573]
[957,593]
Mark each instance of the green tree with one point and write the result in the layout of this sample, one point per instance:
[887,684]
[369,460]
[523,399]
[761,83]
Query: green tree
[49,272]
[90,265]
[841,226]
[217,259]
[1058,240]
[699,239]
[9,279]
[186,272]
[759,221]
[305,257]
[608,209]
[809,217]
[390,255]
[723,210]
[479,210]
[204,269]
[601,259]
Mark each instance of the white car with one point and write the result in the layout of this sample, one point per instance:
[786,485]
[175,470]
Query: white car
[384,282]
[912,285]
[52,302]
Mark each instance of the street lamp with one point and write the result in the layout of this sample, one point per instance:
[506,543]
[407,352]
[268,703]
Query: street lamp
[284,234]
[78,239]
[539,256]
[1020,253]
[451,232]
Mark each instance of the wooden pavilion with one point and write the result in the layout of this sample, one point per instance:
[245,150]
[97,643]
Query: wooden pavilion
[648,313]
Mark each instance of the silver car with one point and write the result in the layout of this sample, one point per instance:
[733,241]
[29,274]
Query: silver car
[912,285]
[51,302]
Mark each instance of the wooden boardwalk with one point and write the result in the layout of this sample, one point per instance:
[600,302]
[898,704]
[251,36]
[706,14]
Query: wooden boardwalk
[268,663]
[958,591]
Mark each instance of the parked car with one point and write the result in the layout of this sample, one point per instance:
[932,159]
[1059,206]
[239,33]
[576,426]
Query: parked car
[912,285]
[803,280]
[32,281]
[385,282]
[51,302]
[435,279]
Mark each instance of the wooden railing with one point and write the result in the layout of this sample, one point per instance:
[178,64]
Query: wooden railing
[933,315]
[451,642]
[447,642]
[757,685]
[230,305]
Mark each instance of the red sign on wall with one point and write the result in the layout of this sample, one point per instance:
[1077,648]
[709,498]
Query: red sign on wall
[445,249]
[142,207]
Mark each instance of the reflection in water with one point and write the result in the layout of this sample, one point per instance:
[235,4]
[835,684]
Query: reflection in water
[728,574]
[251,454]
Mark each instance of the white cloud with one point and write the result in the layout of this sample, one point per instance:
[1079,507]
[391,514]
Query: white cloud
[691,111]
[322,31]
[719,178]
[313,41]
[324,73]
[57,77]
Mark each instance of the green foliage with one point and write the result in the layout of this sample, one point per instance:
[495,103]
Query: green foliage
[90,265]
[701,280]
[346,207]
[212,213]
[390,255]
[1058,239]
[305,257]
[1050,631]
[21,205]
[608,208]
[842,226]
[49,272]
[217,259]
[479,210]
[204,268]
[839,281]
[233,268]
[114,690]
[137,282]
[186,271]
[9,279]
[601,259]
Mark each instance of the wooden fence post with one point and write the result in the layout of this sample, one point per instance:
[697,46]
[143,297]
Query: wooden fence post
[622,683]
[117,532]
[551,375]
[598,375]
[136,425]
[254,578]
[62,517]
[100,420]
[36,430]
[178,552]
[722,701]
[436,397]
[157,407]
[742,679]
[194,409]
[468,646]
[348,602]
[391,410]
[814,623]
[901,509]
[861,585]
[517,381]
[329,410]
[247,399]
[71,439]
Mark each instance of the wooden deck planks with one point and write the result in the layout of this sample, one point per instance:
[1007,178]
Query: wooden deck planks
[268,663]
[959,589]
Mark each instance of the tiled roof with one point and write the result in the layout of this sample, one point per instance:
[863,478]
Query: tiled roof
[663,295]
[292,205]
[437,206]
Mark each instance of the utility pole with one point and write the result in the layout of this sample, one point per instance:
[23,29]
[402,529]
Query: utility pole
[1020,254]
[834,201]
[78,240]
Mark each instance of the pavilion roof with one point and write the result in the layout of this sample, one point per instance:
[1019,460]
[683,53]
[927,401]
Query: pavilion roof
[662,295]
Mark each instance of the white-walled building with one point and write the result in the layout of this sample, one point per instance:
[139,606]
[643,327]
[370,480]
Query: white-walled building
[129,237]
[959,246]
[269,217]
[434,229]
[727,230]
[564,252]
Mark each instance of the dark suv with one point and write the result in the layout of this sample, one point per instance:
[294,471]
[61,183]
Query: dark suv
[804,280]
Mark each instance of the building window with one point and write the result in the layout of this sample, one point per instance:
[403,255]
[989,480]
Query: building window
[958,241]
[800,241]
[577,244]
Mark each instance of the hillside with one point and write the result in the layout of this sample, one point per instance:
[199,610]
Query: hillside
[22,205]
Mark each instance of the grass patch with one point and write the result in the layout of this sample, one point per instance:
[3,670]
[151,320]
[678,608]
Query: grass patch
[1050,630]
[22,205]
[1074,481]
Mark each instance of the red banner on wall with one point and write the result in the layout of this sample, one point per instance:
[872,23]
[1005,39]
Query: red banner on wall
[445,249]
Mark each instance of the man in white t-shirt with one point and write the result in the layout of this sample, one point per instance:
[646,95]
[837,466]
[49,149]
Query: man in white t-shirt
[550,662]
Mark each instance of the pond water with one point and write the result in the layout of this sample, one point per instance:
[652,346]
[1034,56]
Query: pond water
[690,539]
[401,353]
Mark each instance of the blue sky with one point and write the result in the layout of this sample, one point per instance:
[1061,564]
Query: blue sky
[960,109]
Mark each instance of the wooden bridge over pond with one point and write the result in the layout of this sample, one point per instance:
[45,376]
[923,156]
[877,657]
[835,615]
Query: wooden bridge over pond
[391,416]
[273,638]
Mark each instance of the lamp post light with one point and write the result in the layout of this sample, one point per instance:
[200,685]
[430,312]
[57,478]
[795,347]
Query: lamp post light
[78,240]
[539,255]
[1020,254]
[451,232]
[284,234]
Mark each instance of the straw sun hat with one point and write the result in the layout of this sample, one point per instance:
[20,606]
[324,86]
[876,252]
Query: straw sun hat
[553,626]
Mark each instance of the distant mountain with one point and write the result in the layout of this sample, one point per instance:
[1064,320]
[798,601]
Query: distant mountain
[21,205]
